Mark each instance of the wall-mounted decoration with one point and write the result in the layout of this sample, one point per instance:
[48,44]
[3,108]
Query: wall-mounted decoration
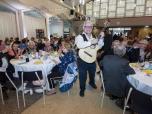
[39,33]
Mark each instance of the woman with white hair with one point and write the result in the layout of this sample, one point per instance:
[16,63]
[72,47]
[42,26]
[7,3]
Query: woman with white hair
[47,47]
[31,47]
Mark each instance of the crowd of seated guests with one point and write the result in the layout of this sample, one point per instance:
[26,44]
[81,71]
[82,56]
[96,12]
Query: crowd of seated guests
[115,66]
[137,49]
[13,48]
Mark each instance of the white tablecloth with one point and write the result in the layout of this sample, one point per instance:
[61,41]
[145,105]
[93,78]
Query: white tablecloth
[141,82]
[46,67]
[21,65]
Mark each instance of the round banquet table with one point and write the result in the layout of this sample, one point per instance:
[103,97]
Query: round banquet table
[141,81]
[42,64]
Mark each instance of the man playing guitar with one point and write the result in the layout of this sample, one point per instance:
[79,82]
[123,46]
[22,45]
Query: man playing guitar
[88,47]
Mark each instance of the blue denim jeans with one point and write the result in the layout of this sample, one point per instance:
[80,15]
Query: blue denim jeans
[83,68]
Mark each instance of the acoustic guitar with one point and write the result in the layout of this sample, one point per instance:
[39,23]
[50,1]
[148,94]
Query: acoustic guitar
[89,54]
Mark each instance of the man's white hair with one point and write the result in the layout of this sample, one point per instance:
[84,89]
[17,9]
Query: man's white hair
[87,22]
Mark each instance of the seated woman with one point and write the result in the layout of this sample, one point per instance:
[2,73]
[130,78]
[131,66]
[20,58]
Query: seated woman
[2,45]
[148,51]
[14,51]
[66,57]
[31,47]
[47,47]
[55,44]
[40,45]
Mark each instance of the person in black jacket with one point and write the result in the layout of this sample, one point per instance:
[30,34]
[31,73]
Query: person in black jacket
[115,69]
[107,48]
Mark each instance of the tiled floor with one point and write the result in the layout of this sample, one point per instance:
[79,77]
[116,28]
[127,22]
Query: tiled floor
[61,103]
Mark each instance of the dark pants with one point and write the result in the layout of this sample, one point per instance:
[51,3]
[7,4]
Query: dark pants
[30,76]
[5,81]
[55,74]
[83,69]
[3,78]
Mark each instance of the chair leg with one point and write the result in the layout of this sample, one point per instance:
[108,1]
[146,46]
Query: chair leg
[43,95]
[41,86]
[102,98]
[103,92]
[2,95]
[126,100]
[68,92]
[14,87]
[23,90]
[18,105]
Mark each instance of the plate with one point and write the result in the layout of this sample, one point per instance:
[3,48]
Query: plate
[39,90]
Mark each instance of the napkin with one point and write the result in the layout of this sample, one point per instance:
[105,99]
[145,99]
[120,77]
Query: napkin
[38,62]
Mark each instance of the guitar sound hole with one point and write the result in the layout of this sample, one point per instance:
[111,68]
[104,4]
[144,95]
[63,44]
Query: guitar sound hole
[93,47]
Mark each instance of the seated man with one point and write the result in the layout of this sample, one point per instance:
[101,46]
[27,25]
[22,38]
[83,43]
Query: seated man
[115,69]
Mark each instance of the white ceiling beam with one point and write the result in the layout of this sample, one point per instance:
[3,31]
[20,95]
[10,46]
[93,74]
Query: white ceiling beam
[8,5]
[61,4]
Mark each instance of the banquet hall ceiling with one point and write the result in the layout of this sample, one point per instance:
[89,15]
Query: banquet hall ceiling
[47,7]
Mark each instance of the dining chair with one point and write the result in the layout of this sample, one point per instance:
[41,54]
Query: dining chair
[68,79]
[59,80]
[1,94]
[127,99]
[3,70]
[16,88]
[28,76]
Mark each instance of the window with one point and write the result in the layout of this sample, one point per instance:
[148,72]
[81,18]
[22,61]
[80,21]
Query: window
[140,2]
[119,8]
[112,2]
[96,14]
[120,11]
[112,8]
[130,13]
[149,3]
[130,1]
[89,13]
[111,14]
[149,12]
[121,3]
[130,6]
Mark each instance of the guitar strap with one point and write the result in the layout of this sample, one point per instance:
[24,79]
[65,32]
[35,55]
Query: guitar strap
[84,37]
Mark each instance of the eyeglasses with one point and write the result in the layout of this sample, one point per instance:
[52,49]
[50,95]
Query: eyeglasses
[90,27]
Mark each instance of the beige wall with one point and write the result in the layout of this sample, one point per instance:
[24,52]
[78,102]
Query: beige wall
[7,25]
[33,23]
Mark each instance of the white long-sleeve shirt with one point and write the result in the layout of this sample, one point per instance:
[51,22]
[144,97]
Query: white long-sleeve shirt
[80,43]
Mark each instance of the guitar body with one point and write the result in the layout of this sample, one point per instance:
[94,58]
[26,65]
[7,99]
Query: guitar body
[89,54]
